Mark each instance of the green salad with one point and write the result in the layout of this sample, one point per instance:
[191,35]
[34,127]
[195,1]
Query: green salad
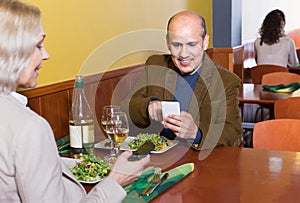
[160,142]
[90,168]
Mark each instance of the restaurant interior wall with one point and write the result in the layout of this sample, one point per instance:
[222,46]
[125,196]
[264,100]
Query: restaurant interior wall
[76,29]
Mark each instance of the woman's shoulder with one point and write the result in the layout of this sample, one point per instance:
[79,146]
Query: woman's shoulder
[288,42]
[286,39]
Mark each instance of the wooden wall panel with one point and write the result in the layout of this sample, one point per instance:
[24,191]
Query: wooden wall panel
[230,58]
[238,61]
[34,104]
[53,102]
[55,108]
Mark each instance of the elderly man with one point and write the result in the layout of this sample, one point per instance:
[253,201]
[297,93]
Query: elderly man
[207,92]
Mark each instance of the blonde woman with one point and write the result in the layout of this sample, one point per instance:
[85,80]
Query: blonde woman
[30,167]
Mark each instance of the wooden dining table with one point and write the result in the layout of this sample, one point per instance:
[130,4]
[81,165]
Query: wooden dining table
[255,94]
[229,174]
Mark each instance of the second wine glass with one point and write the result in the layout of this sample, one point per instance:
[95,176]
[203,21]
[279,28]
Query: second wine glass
[119,130]
[107,122]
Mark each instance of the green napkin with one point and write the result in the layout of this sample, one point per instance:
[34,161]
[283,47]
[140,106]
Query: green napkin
[63,145]
[175,175]
[283,88]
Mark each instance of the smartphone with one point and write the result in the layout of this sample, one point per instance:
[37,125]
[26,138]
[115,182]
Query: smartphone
[170,107]
[141,152]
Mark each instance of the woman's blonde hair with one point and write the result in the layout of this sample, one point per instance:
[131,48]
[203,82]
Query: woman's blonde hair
[19,28]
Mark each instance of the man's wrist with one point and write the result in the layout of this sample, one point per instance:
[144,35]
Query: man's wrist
[198,138]
[151,100]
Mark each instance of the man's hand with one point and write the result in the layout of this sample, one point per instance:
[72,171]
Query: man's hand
[182,125]
[155,111]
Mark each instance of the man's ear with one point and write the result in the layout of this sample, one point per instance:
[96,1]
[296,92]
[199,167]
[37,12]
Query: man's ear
[205,42]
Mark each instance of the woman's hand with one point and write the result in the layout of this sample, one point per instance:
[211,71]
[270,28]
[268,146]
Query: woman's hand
[126,172]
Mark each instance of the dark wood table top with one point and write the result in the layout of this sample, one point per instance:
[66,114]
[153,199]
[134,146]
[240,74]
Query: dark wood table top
[228,174]
[254,93]
[295,69]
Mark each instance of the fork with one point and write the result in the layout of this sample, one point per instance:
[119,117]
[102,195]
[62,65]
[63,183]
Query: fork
[155,179]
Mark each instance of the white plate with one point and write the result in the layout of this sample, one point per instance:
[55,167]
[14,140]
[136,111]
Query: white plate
[71,163]
[125,145]
[104,144]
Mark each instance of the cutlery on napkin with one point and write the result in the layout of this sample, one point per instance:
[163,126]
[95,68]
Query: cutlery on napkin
[175,175]
[165,176]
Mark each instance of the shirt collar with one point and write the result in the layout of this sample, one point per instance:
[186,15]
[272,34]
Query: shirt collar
[20,98]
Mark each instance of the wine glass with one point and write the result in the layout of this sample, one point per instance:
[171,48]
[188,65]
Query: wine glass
[106,122]
[119,130]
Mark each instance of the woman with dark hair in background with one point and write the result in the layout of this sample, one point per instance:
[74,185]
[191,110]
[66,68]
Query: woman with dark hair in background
[273,47]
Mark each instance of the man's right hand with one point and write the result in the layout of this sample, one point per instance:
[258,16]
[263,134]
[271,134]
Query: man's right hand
[155,111]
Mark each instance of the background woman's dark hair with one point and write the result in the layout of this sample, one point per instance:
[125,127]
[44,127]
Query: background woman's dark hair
[271,28]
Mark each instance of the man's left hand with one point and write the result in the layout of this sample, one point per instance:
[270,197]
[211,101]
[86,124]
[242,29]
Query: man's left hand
[182,125]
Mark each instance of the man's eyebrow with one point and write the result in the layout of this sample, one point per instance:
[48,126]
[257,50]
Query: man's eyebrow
[193,42]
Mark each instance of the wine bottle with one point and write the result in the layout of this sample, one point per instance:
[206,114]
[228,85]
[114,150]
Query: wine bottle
[81,123]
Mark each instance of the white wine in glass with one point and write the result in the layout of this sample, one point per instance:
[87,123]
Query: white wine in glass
[107,122]
[119,130]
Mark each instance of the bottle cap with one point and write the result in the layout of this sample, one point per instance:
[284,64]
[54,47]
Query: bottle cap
[79,82]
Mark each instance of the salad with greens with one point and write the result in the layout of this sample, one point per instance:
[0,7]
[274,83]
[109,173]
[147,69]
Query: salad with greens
[160,142]
[90,169]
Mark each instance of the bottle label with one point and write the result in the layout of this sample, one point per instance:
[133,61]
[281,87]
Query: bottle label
[88,134]
[81,134]
[75,136]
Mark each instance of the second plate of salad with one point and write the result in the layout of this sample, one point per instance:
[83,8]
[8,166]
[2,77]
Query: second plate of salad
[162,144]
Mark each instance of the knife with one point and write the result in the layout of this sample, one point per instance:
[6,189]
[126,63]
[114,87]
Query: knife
[165,176]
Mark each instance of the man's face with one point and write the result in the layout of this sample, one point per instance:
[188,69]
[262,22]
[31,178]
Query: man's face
[186,44]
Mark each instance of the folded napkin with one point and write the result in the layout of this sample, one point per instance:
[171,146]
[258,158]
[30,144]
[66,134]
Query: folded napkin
[281,88]
[175,175]
[63,145]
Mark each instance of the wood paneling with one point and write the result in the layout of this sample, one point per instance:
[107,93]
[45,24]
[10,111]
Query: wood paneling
[230,58]
[54,101]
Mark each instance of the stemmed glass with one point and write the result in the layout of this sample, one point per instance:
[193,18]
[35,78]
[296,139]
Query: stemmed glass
[119,130]
[107,122]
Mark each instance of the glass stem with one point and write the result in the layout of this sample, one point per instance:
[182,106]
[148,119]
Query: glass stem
[112,151]
[116,149]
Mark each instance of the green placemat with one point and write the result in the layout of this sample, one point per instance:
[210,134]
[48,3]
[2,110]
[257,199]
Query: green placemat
[63,145]
[281,88]
[175,175]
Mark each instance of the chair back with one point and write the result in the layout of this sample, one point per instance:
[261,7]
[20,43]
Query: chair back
[287,108]
[277,134]
[258,71]
[279,78]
